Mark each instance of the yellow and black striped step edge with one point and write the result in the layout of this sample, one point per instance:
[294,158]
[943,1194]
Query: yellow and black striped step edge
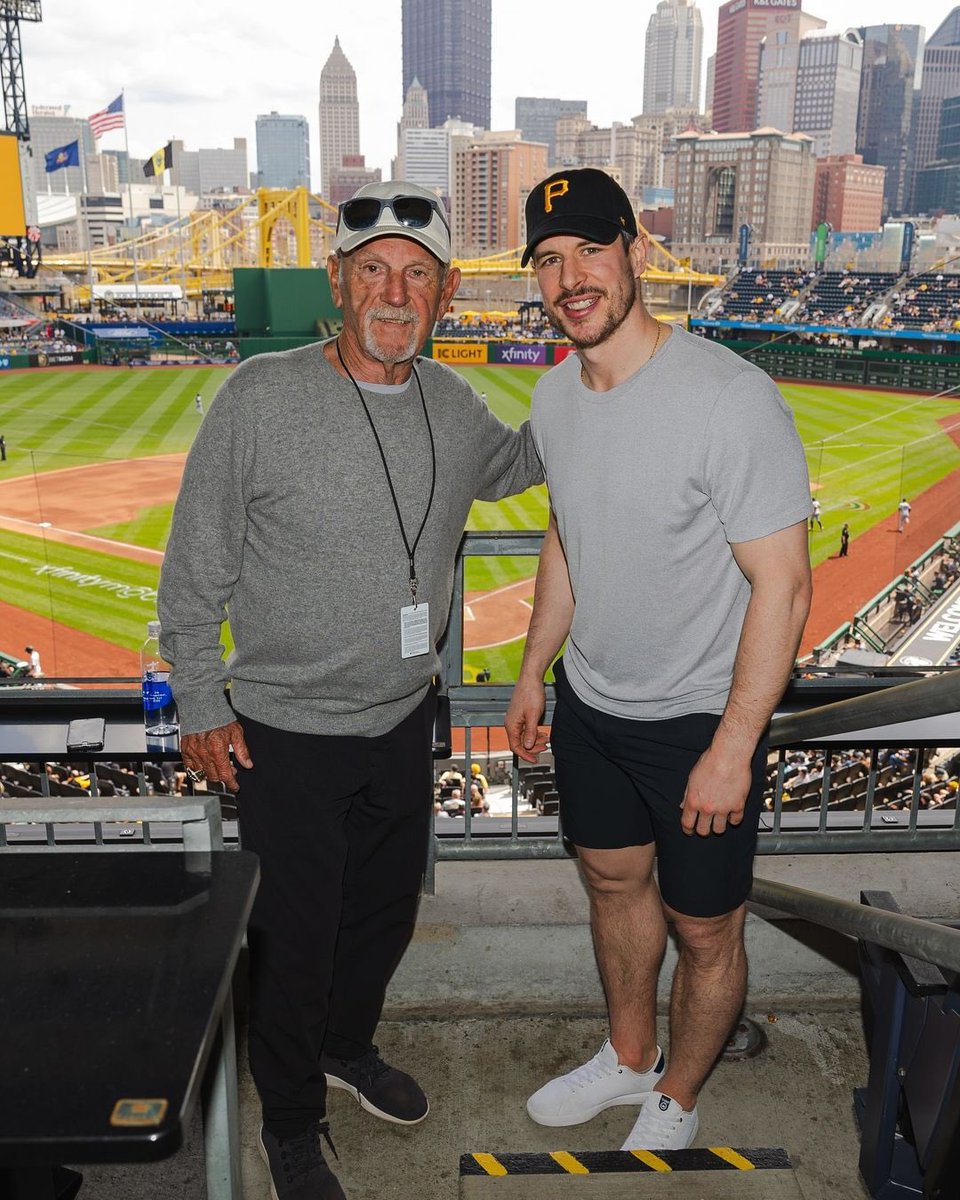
[607,1162]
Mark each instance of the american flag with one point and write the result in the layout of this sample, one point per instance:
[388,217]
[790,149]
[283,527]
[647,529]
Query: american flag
[109,118]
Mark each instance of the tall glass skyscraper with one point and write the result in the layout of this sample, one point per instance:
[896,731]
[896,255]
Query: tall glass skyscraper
[283,151]
[940,82]
[446,45]
[889,104]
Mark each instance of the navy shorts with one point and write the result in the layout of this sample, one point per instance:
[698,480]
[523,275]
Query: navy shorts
[621,783]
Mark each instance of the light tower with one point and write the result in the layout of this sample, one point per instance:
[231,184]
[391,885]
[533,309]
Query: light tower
[12,12]
[19,246]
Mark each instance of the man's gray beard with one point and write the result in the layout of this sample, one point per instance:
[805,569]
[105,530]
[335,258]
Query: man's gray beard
[407,351]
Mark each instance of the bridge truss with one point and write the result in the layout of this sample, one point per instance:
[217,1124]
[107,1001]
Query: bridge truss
[271,228]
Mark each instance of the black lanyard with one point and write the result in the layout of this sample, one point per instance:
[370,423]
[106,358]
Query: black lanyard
[411,550]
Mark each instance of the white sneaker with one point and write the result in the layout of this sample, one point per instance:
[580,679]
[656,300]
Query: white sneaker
[662,1125]
[598,1084]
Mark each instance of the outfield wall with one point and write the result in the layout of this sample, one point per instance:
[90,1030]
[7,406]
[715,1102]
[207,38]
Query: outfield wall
[450,351]
[45,358]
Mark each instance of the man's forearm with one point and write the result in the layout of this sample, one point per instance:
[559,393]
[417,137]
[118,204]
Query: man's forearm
[553,607]
[772,628]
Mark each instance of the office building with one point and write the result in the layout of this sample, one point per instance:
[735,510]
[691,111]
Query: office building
[121,165]
[811,85]
[425,155]
[493,175]
[416,107]
[939,81]
[937,185]
[283,151]
[741,27]
[848,194]
[536,117]
[201,172]
[350,176]
[632,154]
[763,179]
[446,45]
[52,126]
[889,95]
[339,116]
[415,115]
[673,57]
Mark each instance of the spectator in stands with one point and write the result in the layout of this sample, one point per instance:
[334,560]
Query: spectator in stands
[339,585]
[903,515]
[479,780]
[844,540]
[450,779]
[479,804]
[673,743]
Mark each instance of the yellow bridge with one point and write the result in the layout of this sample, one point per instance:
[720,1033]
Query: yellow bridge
[272,228]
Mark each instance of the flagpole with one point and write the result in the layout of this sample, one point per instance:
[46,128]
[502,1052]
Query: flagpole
[86,218]
[183,265]
[133,244]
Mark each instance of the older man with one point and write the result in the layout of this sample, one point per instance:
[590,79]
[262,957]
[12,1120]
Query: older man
[322,505]
[675,567]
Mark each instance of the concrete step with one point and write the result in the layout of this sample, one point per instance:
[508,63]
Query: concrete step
[717,1172]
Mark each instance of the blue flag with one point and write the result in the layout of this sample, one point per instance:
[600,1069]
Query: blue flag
[64,156]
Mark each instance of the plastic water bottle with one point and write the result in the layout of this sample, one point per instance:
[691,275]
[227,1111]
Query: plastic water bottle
[159,709]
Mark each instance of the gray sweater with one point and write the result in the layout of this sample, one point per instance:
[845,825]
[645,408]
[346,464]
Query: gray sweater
[284,520]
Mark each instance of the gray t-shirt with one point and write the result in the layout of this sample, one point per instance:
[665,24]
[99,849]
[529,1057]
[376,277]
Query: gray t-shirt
[285,520]
[651,482]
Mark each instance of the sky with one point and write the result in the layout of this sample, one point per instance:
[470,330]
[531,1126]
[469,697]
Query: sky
[202,70]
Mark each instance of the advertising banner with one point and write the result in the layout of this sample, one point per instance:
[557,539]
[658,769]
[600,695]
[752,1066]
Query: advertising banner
[906,251]
[518,356]
[744,244]
[561,352]
[463,354]
[820,251]
[56,358]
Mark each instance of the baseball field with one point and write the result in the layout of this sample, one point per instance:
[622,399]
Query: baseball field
[94,458]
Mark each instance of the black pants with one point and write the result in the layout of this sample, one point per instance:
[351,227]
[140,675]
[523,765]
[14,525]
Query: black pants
[340,825]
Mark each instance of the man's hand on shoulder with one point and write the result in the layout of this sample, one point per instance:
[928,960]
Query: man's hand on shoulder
[716,794]
[527,738]
[209,752]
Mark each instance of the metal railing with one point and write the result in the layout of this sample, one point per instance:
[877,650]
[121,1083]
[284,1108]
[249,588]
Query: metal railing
[926,940]
[886,712]
[874,714]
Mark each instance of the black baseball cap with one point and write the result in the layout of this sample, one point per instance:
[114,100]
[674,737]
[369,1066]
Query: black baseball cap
[585,203]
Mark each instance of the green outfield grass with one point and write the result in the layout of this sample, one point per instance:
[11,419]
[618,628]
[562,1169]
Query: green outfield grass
[864,450]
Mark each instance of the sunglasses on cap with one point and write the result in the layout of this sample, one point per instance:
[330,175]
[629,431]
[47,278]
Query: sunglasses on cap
[412,212]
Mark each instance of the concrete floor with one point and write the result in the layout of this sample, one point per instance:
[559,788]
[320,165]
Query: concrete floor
[798,1094]
[498,993]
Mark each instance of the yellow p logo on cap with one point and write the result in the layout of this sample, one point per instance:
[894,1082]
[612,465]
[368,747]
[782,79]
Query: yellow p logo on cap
[553,191]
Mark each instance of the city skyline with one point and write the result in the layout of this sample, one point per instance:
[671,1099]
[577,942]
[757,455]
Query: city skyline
[217,72]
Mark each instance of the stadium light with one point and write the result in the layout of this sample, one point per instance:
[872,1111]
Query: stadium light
[22,10]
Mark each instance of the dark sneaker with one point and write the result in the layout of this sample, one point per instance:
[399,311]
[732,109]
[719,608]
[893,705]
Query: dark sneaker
[381,1089]
[297,1167]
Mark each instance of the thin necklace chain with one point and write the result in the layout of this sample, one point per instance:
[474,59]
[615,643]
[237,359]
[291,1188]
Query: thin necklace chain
[656,344]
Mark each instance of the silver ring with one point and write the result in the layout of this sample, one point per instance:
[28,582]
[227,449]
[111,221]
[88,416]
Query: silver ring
[196,776]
